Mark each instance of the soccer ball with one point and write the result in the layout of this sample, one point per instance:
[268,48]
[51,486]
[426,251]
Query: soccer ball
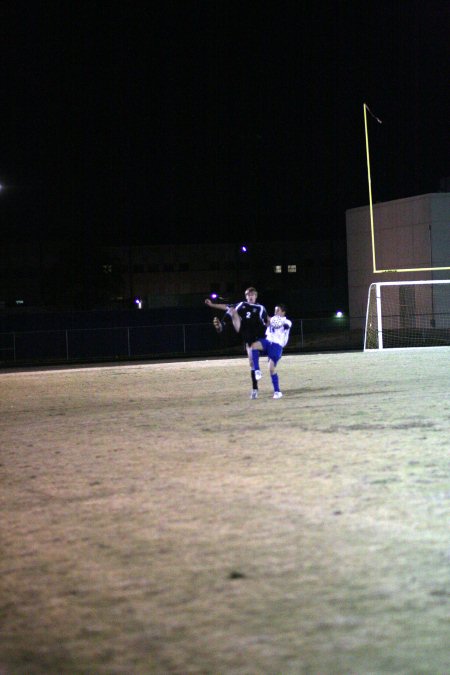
[277,321]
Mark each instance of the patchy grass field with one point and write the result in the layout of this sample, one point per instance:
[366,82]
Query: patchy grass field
[156,520]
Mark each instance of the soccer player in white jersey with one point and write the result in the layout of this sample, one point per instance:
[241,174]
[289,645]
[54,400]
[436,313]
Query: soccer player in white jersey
[277,336]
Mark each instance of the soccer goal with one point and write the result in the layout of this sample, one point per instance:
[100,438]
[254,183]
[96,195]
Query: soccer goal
[402,314]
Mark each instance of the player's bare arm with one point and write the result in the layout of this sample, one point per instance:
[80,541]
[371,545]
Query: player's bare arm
[216,305]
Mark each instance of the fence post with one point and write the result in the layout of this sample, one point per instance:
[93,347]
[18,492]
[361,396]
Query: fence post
[67,344]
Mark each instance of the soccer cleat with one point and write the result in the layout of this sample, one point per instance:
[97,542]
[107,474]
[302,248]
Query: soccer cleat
[258,374]
[254,393]
[277,394]
[217,324]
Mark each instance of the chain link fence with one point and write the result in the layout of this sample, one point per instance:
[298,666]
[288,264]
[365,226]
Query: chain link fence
[159,341]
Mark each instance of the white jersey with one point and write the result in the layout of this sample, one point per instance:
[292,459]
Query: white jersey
[278,330]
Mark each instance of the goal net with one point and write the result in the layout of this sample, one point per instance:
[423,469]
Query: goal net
[402,314]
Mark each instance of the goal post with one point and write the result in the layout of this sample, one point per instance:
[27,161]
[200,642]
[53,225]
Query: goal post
[405,314]
[376,270]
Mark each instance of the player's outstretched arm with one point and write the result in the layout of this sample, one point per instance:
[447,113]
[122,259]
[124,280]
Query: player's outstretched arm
[216,305]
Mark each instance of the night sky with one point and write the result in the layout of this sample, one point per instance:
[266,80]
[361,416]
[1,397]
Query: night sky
[221,120]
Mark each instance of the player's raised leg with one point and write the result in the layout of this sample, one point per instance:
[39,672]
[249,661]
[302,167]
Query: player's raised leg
[235,318]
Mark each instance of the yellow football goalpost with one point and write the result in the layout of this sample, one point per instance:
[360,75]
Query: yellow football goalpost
[375,270]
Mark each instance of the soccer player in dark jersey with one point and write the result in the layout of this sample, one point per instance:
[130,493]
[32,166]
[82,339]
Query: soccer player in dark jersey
[250,320]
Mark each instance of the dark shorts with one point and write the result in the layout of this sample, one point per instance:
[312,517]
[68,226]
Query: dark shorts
[255,338]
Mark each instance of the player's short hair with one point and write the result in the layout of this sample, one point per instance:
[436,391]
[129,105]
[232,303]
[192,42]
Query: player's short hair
[282,306]
[251,290]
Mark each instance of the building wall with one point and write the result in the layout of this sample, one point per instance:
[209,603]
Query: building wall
[440,234]
[409,233]
[309,276]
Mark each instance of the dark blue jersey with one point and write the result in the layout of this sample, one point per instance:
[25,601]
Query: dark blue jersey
[253,321]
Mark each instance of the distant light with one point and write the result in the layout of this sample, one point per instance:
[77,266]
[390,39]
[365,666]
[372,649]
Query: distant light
[138,302]
[213,296]
[339,314]
[243,249]
[20,302]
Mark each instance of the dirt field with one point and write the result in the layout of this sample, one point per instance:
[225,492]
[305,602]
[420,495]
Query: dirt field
[156,520]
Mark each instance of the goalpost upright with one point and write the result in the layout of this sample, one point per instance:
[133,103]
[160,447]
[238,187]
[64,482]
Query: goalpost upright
[404,313]
[369,180]
[372,226]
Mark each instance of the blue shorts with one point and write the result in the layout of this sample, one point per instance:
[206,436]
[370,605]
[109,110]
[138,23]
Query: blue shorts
[273,350]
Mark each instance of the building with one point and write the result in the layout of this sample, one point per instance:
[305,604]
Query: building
[409,234]
[308,276]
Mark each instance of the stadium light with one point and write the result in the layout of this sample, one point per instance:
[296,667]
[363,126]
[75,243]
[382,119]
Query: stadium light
[138,302]
[244,249]
[339,314]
